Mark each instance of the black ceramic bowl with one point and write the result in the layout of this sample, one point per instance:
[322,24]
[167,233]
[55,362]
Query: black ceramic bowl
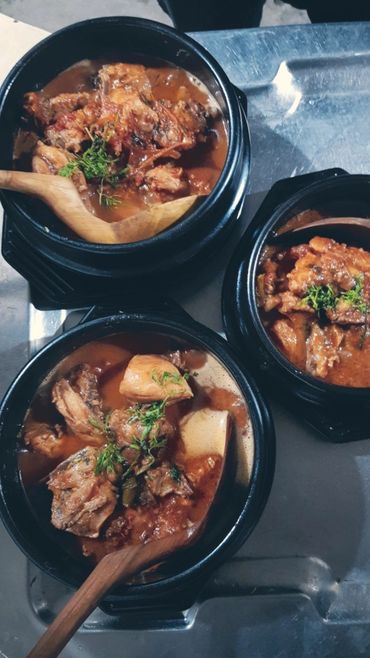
[31,225]
[236,516]
[336,411]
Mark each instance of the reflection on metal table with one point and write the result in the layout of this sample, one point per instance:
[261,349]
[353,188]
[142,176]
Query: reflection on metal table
[301,584]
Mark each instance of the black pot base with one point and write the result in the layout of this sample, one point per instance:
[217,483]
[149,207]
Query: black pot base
[53,286]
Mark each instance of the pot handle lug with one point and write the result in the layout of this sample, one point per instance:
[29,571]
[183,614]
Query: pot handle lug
[336,426]
[131,305]
[288,186]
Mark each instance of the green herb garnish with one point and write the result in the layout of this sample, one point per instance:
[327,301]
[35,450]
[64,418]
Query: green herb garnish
[162,378]
[146,447]
[147,415]
[97,163]
[355,296]
[102,425]
[69,169]
[320,298]
[175,473]
[108,458]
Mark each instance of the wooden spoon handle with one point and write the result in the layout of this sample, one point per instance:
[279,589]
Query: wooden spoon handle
[112,569]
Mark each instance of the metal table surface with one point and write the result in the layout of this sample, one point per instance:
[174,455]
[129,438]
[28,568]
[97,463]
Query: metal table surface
[300,586]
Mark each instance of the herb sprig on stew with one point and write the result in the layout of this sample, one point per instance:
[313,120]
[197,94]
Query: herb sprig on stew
[97,163]
[323,298]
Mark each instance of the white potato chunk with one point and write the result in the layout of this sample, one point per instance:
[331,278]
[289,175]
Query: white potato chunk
[151,378]
[205,432]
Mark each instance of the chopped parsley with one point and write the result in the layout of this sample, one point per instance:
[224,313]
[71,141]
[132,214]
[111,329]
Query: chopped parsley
[108,458]
[175,473]
[97,163]
[355,296]
[320,298]
[102,425]
[162,378]
[147,446]
[323,298]
[148,415]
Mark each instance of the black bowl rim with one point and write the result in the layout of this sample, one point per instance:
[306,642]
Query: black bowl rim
[262,426]
[180,228]
[246,272]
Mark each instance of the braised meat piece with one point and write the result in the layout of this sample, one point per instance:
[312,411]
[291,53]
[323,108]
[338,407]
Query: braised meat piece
[37,106]
[44,439]
[167,178]
[167,479]
[345,313]
[69,132]
[291,334]
[328,262]
[77,399]
[49,159]
[130,425]
[45,110]
[322,349]
[180,125]
[130,77]
[149,377]
[82,500]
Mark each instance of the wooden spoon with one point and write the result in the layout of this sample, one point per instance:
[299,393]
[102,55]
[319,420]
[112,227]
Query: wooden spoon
[358,228]
[63,198]
[123,564]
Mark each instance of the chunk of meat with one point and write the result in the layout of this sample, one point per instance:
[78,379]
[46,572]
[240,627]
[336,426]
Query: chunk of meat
[180,125]
[289,302]
[150,377]
[291,335]
[167,479]
[127,428]
[45,110]
[44,439]
[77,399]
[37,106]
[68,102]
[328,262]
[130,77]
[70,130]
[167,178]
[50,159]
[345,313]
[82,500]
[322,345]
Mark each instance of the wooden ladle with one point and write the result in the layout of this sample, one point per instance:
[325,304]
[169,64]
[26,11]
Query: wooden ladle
[63,198]
[126,562]
[358,228]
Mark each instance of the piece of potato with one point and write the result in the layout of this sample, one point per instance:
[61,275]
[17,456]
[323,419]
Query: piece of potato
[151,378]
[205,432]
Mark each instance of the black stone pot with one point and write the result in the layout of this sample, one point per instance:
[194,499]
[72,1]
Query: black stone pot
[66,271]
[236,512]
[339,413]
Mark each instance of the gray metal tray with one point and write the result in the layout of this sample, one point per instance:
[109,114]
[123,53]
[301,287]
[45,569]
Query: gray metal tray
[300,586]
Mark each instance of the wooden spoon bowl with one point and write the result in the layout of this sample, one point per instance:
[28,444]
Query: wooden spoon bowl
[353,229]
[64,200]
